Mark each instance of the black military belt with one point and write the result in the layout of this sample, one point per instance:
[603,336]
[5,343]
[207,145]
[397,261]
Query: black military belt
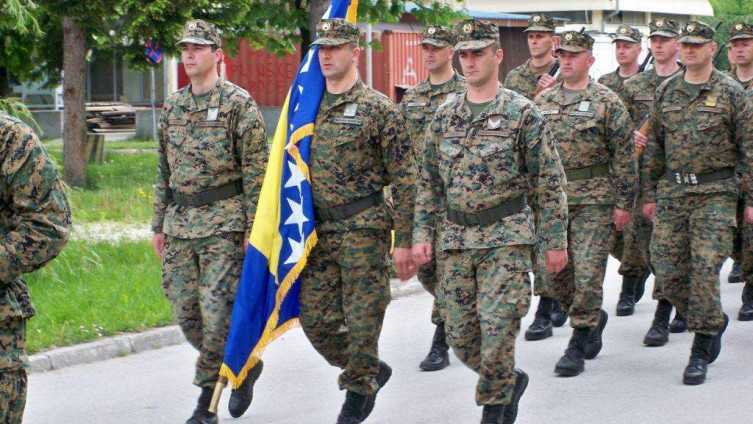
[341,212]
[206,197]
[489,216]
[682,178]
[586,173]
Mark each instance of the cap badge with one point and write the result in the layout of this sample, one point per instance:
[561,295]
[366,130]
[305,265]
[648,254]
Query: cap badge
[536,18]
[739,27]
[325,26]
[432,30]
[192,25]
[467,28]
[568,36]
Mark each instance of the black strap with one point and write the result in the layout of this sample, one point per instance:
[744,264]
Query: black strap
[489,216]
[691,179]
[206,197]
[587,173]
[341,212]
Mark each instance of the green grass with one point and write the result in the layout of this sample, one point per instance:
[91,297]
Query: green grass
[94,290]
[119,190]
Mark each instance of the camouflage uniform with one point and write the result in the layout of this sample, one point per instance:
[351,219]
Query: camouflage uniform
[211,165]
[472,165]
[594,139]
[613,80]
[522,78]
[694,145]
[35,221]
[360,145]
[418,107]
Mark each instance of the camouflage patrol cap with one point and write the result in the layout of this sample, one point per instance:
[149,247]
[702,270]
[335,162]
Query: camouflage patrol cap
[627,33]
[197,31]
[474,34]
[664,28]
[575,42]
[696,32]
[335,32]
[540,22]
[740,31]
[438,36]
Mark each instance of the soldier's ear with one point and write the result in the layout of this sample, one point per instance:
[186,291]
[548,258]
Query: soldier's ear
[219,56]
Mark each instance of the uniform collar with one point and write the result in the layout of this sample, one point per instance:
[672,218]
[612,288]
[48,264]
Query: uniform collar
[586,94]
[706,86]
[213,101]
[350,96]
[494,108]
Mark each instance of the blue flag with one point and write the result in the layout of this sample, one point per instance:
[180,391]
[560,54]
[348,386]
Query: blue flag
[266,303]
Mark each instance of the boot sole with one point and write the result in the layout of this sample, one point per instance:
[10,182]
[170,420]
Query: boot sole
[567,372]
[654,343]
[693,381]
[434,367]
[624,313]
[744,318]
[535,337]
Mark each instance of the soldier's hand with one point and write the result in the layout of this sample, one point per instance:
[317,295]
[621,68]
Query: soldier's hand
[649,211]
[158,244]
[555,260]
[547,81]
[406,269]
[639,139]
[421,253]
[749,214]
[621,219]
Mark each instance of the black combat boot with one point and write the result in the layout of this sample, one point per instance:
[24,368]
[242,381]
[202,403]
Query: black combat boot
[201,414]
[678,324]
[595,342]
[541,327]
[640,286]
[658,334]
[626,304]
[240,398]
[558,316]
[735,276]
[572,363]
[716,341]
[746,311]
[438,357]
[493,414]
[352,411]
[695,372]
[511,410]
[382,377]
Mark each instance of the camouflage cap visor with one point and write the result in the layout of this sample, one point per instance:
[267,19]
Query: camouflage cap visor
[435,42]
[663,33]
[474,44]
[694,39]
[331,41]
[198,41]
[538,28]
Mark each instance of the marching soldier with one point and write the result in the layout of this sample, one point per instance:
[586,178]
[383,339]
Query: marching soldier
[484,153]
[418,106]
[627,48]
[690,191]
[593,136]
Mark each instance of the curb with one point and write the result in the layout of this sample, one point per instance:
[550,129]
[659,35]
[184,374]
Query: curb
[127,344]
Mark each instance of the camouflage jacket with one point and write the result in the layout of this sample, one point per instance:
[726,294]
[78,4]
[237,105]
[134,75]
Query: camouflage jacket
[201,149]
[523,81]
[697,135]
[613,81]
[638,94]
[748,85]
[593,129]
[471,165]
[360,146]
[35,219]
[420,103]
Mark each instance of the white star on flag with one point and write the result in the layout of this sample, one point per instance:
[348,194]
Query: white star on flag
[297,217]
[296,177]
[296,251]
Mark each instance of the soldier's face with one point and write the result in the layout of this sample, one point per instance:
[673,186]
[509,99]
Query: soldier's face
[626,52]
[664,49]
[731,57]
[741,52]
[696,56]
[199,60]
[337,61]
[436,58]
[539,43]
[574,66]
[480,66]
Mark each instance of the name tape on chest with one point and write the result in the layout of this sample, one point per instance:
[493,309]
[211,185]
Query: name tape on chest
[550,112]
[672,109]
[416,104]
[581,114]
[349,121]
[643,98]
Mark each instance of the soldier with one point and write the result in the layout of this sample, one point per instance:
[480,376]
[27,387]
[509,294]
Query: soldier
[638,96]
[627,48]
[35,222]
[690,190]
[360,146]
[418,106]
[212,150]
[592,132]
[527,80]
[484,153]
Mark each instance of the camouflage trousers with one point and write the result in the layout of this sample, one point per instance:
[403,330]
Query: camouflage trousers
[692,239]
[13,381]
[579,286]
[743,244]
[200,277]
[482,295]
[427,275]
[632,249]
[345,289]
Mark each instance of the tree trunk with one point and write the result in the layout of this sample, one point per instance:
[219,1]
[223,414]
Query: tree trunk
[74,98]
[316,11]
[4,82]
